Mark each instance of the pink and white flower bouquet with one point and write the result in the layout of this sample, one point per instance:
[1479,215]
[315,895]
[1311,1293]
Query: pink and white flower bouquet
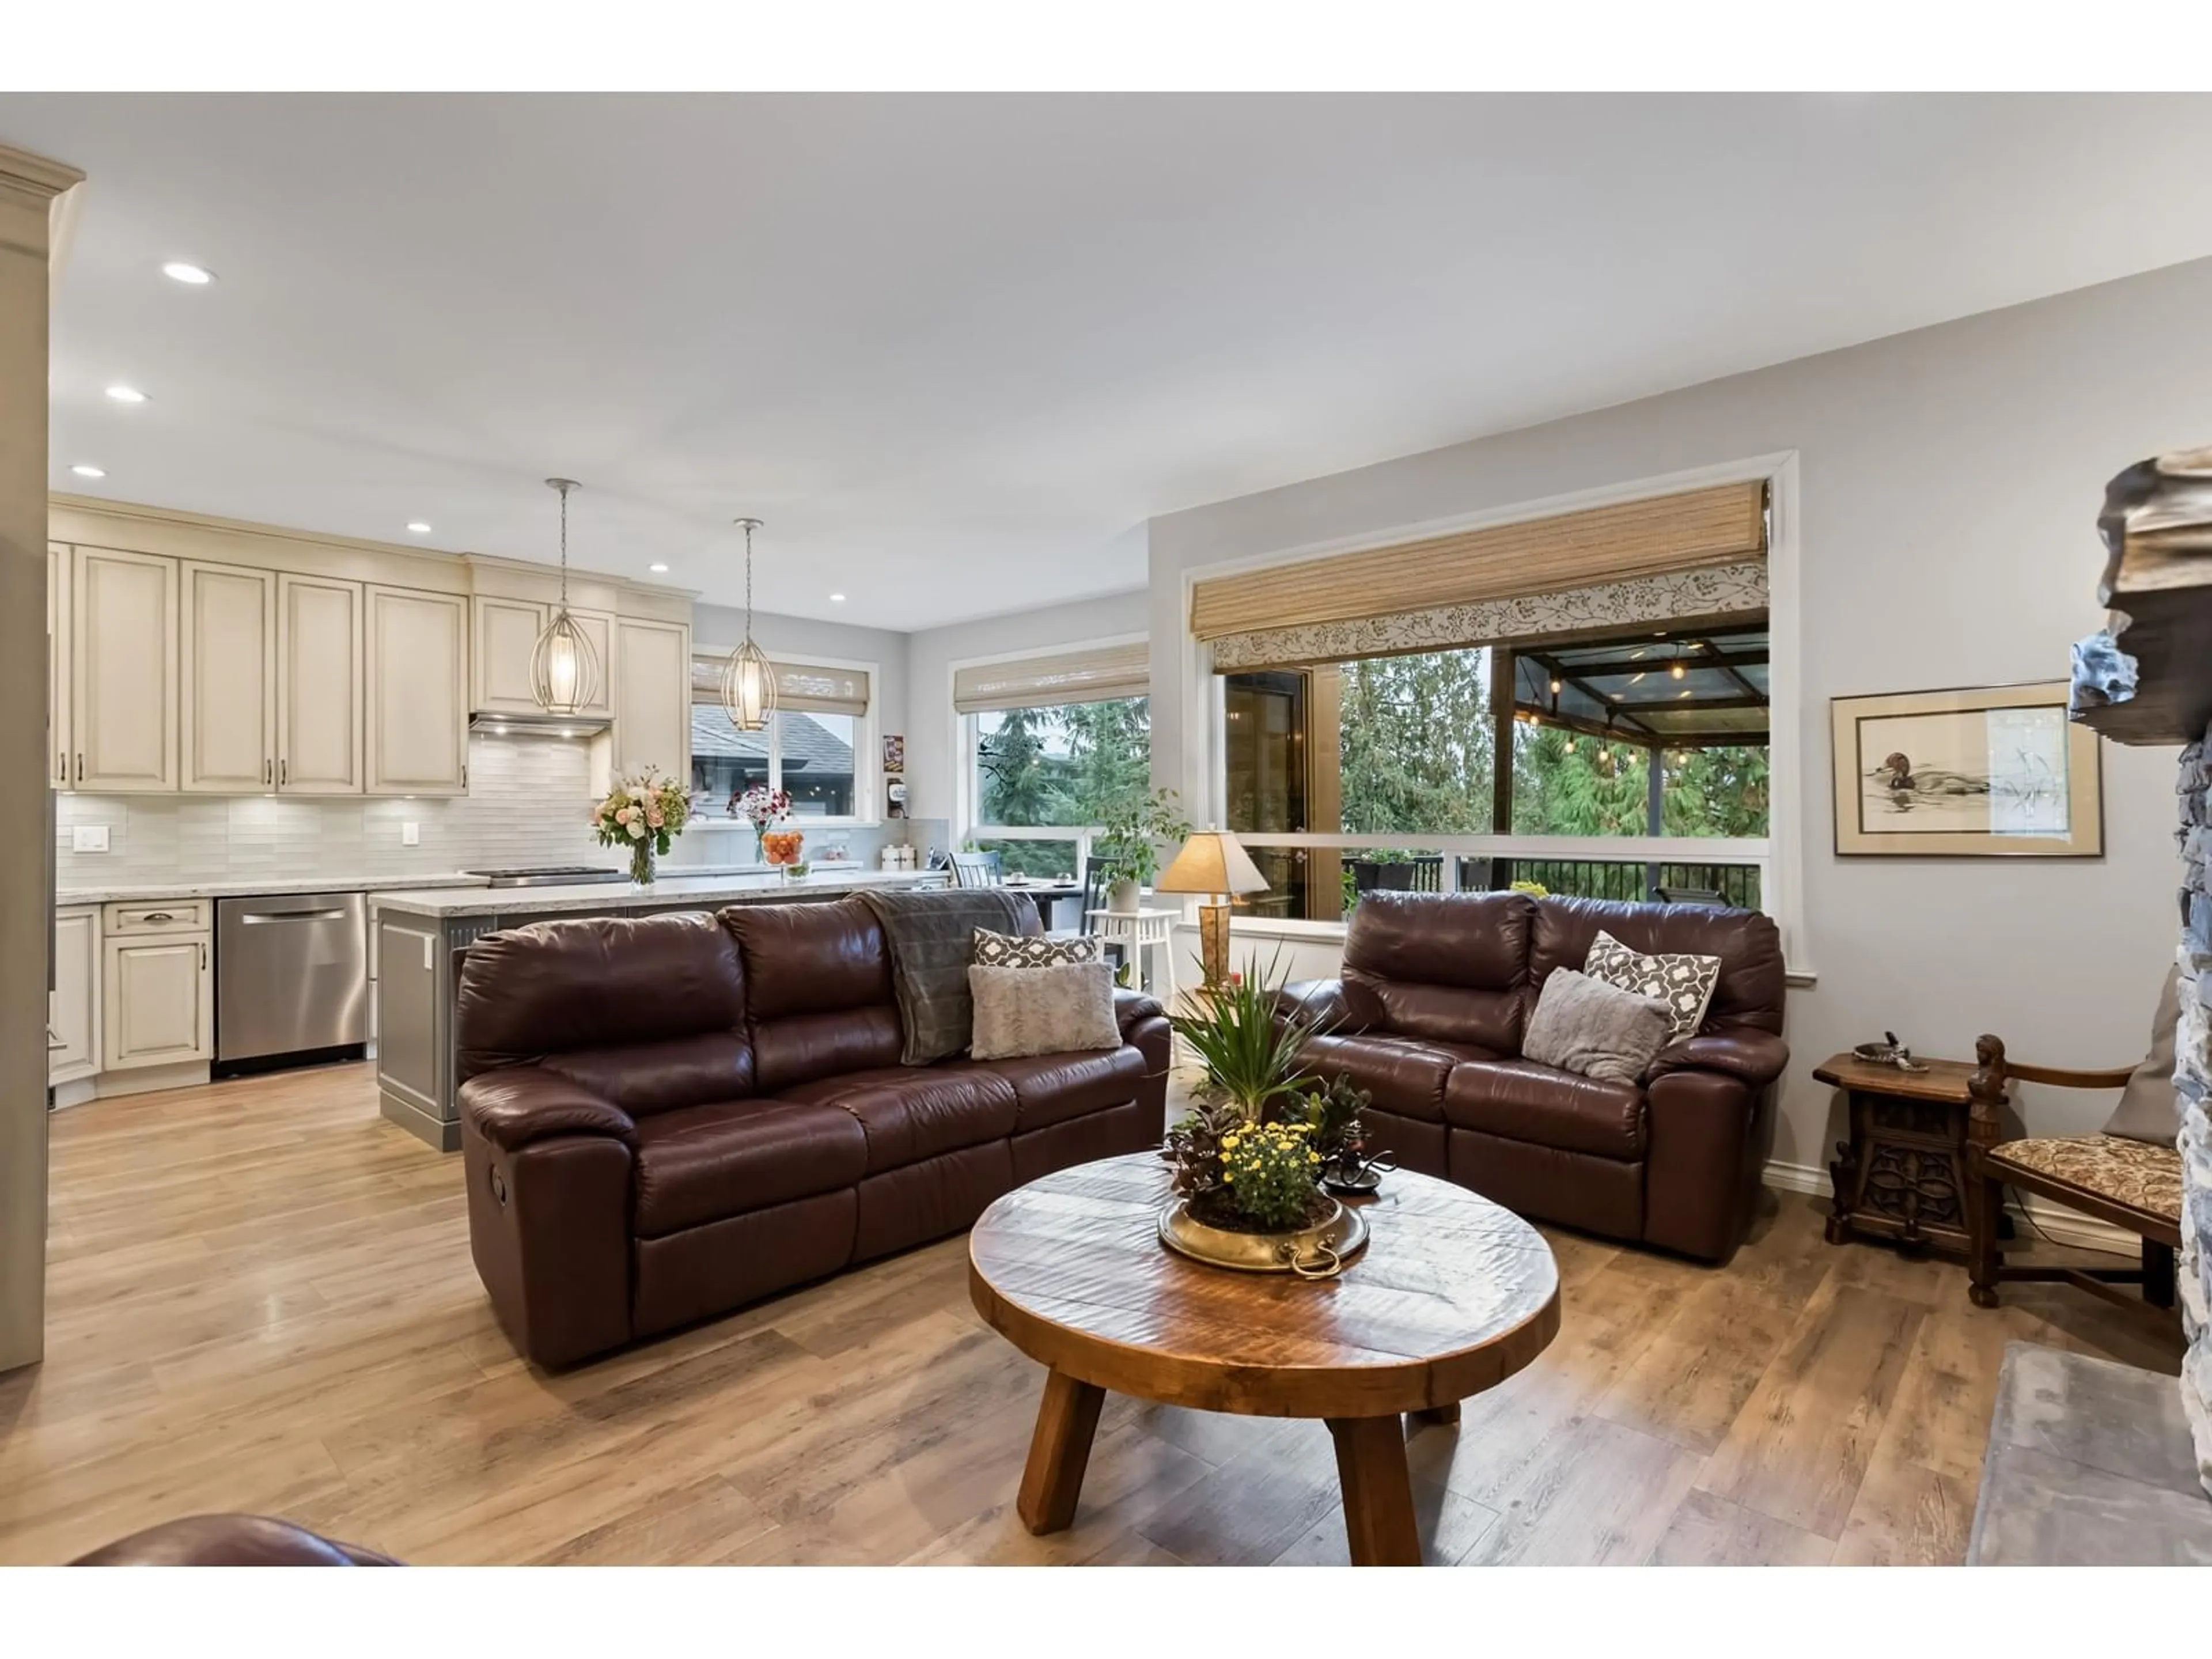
[645,814]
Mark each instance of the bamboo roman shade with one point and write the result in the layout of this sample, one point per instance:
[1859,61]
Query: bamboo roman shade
[1097,674]
[805,687]
[1662,536]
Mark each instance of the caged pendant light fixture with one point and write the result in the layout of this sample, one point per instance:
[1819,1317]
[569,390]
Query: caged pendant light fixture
[564,670]
[748,682]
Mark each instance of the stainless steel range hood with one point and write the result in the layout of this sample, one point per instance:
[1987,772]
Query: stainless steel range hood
[539,726]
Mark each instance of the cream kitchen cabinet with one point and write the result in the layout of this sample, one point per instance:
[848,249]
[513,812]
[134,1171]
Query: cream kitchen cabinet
[58,666]
[229,684]
[73,1049]
[417,692]
[122,612]
[652,697]
[319,738]
[503,635]
[157,1001]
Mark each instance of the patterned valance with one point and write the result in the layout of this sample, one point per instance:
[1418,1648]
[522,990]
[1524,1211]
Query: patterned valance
[1685,595]
[1623,541]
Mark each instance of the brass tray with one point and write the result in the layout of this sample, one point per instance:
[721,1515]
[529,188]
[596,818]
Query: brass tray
[1316,1252]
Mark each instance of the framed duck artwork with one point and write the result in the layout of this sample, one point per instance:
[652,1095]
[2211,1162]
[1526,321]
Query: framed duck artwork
[1993,772]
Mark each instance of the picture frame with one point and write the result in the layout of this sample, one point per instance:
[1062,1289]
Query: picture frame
[1980,772]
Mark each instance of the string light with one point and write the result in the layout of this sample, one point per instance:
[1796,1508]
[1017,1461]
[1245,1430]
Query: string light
[1678,670]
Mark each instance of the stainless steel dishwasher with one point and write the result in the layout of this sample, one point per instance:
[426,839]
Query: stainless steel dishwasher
[291,977]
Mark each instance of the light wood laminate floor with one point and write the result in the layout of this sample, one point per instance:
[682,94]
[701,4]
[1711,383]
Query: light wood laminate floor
[261,1299]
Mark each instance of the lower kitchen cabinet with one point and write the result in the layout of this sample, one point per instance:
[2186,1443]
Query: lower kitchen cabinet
[157,1001]
[73,1051]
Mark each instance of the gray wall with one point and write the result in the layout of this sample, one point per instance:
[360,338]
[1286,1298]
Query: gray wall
[1950,481]
[931,729]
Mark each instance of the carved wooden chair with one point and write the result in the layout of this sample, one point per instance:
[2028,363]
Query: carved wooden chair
[2130,1184]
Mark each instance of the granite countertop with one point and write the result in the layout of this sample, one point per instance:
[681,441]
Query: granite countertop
[145,892]
[669,890]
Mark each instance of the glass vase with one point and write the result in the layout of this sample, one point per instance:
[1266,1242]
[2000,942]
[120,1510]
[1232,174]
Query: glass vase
[641,862]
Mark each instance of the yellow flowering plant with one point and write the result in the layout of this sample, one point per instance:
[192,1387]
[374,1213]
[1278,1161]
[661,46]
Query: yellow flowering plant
[1270,1170]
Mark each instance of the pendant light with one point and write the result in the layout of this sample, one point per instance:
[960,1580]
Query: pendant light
[748,682]
[564,670]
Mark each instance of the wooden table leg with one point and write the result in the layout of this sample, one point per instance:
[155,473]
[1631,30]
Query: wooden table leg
[1378,1494]
[1060,1450]
[1444,1416]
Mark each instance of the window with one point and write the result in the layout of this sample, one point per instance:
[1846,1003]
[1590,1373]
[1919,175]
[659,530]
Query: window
[816,746]
[1486,766]
[1055,767]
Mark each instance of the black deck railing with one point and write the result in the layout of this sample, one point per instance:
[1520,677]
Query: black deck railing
[1732,884]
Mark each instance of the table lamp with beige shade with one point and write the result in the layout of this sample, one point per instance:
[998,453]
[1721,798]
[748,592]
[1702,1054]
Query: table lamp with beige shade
[1212,862]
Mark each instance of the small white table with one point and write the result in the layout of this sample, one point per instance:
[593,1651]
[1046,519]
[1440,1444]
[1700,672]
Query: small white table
[1138,929]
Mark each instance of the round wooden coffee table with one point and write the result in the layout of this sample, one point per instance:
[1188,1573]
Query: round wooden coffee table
[1452,1295]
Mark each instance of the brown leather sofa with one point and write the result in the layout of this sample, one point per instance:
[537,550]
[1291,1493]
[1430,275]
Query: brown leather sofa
[665,1117]
[1436,990]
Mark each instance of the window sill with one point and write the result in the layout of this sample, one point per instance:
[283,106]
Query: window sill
[803,824]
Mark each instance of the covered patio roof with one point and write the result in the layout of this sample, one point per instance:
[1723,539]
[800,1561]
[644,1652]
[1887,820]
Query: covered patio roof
[1670,690]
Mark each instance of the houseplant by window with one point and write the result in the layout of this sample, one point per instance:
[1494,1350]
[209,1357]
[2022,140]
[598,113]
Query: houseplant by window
[1249,1160]
[1130,844]
[644,814]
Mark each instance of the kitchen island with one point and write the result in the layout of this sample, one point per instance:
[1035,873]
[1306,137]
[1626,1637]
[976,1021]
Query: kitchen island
[419,934]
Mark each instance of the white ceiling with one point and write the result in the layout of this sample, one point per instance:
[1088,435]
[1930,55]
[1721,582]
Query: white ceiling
[953,349]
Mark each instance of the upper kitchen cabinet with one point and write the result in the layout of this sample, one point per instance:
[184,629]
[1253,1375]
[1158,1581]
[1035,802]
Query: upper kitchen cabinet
[505,633]
[652,697]
[417,692]
[318,698]
[228,688]
[122,610]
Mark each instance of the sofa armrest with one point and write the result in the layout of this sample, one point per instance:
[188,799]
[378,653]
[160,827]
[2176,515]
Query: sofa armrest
[1751,1056]
[1133,1008]
[1319,1002]
[515,1105]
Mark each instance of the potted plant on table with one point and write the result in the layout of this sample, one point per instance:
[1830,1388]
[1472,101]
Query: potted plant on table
[1250,1159]
[1129,843]
[644,814]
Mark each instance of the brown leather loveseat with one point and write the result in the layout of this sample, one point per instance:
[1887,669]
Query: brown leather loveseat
[1436,990]
[664,1117]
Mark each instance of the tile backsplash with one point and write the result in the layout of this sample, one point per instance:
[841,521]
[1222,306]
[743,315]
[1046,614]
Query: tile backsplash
[526,805]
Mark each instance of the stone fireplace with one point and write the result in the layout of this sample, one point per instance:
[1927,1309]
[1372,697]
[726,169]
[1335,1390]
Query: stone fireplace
[2192,1076]
[2148,681]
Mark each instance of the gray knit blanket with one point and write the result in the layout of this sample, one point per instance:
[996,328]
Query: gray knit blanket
[931,937]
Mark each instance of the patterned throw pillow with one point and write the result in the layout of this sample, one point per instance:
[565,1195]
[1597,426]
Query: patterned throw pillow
[1062,1010]
[1017,951]
[1683,983]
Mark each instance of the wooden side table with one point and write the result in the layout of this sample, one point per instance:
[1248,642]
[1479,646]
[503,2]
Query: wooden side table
[1903,1173]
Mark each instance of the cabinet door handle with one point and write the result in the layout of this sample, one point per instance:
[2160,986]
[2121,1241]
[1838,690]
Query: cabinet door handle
[79,766]
[268,771]
[203,957]
[465,777]
[284,771]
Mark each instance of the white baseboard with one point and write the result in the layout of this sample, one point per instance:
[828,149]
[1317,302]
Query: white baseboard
[2061,1226]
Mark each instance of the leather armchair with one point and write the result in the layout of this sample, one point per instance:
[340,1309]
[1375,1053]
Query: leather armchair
[230,1540]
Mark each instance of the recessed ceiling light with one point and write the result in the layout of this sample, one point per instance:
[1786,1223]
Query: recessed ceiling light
[126,394]
[177,270]
[415,526]
[657,569]
[84,471]
[836,598]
